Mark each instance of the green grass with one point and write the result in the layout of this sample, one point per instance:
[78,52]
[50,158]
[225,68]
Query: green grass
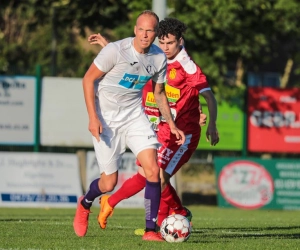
[213,228]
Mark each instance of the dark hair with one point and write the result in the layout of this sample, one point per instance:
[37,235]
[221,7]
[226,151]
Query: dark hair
[171,26]
[149,12]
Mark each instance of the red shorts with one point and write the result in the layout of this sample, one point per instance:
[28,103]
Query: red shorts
[171,156]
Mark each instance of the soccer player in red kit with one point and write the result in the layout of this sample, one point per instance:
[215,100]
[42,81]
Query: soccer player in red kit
[185,81]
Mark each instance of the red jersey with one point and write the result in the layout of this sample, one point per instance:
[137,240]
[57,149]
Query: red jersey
[184,82]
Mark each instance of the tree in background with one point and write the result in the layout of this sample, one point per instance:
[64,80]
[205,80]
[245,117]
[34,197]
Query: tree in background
[50,33]
[223,36]
[254,35]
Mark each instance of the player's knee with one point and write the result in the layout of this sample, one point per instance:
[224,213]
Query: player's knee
[152,173]
[107,187]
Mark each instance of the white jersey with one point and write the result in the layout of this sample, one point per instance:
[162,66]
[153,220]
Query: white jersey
[119,92]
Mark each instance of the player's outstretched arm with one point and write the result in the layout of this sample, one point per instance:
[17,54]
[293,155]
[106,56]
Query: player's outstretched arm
[212,134]
[163,105]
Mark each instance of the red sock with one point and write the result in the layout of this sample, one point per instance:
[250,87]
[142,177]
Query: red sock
[171,198]
[129,188]
[163,212]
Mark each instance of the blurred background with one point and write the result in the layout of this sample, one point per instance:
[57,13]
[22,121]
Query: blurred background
[249,51]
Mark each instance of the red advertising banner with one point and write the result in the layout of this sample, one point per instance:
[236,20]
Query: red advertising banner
[274,120]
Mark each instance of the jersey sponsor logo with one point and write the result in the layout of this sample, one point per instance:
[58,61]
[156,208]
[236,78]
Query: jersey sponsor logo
[164,153]
[150,101]
[153,110]
[173,113]
[155,120]
[167,151]
[162,161]
[172,74]
[130,81]
[133,63]
[151,136]
[172,93]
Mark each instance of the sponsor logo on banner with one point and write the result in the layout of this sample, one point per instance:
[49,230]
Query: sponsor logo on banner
[39,180]
[17,110]
[274,120]
[246,184]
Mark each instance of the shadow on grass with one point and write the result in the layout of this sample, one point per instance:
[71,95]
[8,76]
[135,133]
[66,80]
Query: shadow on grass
[230,233]
[203,230]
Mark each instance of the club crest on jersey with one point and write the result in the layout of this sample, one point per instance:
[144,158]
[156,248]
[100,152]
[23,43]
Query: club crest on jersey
[131,81]
[172,74]
[149,69]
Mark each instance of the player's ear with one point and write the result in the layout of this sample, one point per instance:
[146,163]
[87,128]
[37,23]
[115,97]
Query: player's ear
[181,41]
[134,29]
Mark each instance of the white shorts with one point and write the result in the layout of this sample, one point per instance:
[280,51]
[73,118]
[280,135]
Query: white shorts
[136,133]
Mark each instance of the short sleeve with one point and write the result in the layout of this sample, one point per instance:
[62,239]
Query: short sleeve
[107,58]
[194,76]
[160,76]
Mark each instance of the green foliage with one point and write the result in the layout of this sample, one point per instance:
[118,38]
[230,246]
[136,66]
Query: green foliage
[221,32]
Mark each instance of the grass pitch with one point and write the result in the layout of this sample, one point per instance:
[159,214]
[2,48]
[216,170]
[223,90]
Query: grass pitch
[213,228]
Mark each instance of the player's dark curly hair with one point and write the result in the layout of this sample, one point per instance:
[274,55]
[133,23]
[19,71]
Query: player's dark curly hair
[171,26]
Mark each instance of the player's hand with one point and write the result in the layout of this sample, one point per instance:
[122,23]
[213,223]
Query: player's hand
[203,118]
[212,134]
[179,135]
[98,39]
[95,127]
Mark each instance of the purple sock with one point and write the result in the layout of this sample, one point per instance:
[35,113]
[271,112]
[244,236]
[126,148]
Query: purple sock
[152,198]
[91,195]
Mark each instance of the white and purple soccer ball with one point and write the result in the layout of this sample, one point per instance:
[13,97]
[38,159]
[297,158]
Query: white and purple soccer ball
[175,228]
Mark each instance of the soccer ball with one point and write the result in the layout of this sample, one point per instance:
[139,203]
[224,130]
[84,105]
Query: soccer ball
[175,228]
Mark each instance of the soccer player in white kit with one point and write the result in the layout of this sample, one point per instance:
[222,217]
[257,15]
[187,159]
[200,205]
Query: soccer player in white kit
[117,119]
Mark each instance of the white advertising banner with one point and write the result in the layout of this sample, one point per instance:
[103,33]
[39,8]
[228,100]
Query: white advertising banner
[17,110]
[64,119]
[127,169]
[39,180]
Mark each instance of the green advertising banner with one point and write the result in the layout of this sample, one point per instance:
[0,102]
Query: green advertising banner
[230,124]
[254,183]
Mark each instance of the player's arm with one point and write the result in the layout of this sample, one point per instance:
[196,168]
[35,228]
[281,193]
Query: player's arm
[92,74]
[98,39]
[212,134]
[163,105]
